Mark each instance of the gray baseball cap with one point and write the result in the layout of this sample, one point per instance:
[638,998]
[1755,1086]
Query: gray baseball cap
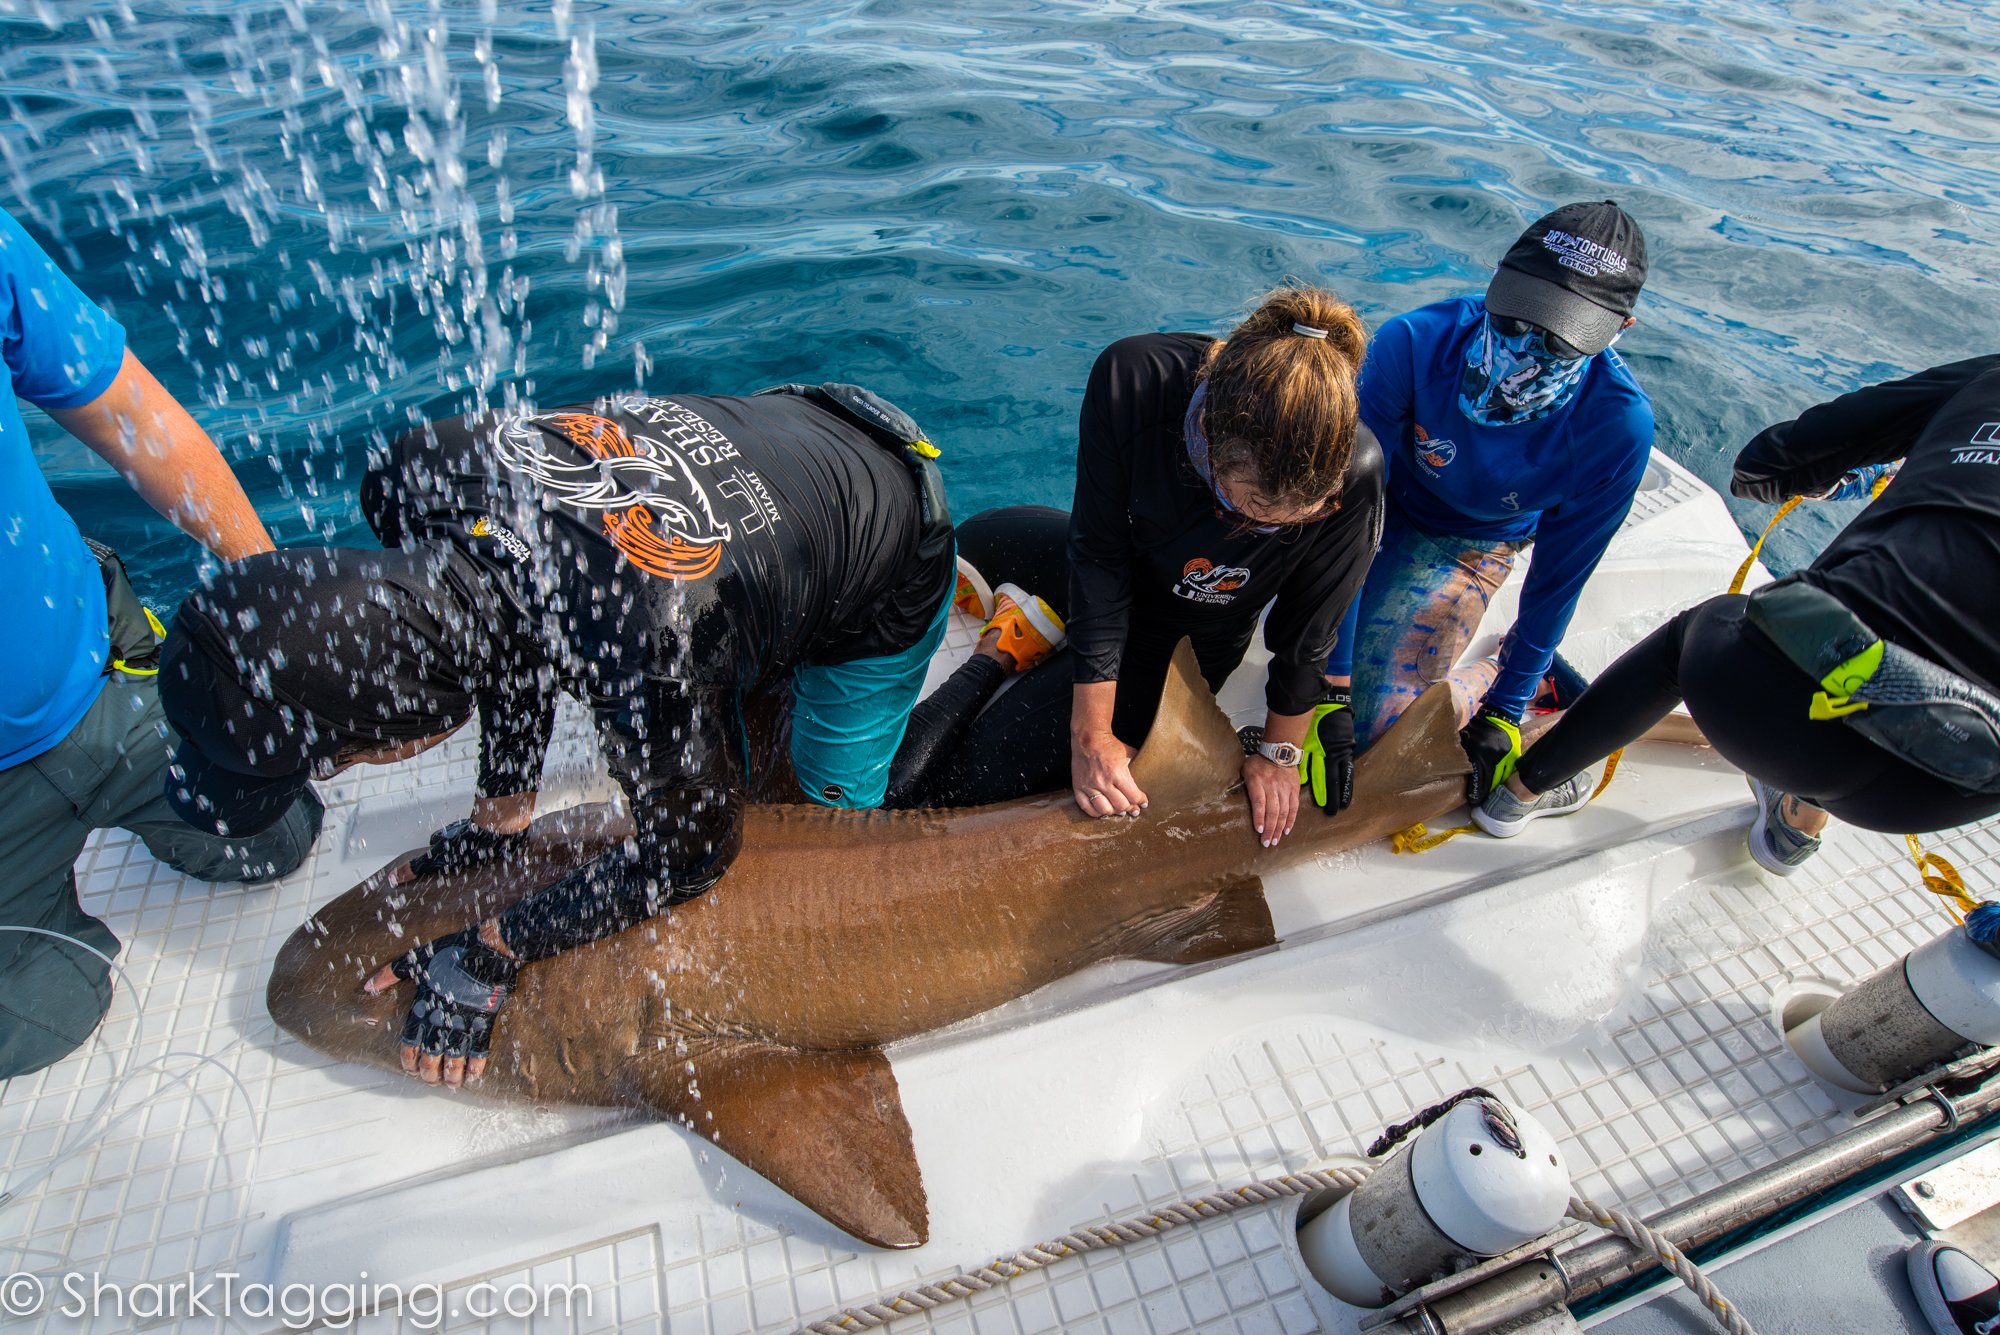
[1576,273]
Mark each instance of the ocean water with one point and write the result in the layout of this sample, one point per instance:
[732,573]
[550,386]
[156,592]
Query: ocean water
[321,220]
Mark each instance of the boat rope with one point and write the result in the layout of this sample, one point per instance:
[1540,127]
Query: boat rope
[929,1297]
[1418,839]
[1661,1248]
[910,1302]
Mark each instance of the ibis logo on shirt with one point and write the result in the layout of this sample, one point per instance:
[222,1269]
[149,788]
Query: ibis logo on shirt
[1988,436]
[1434,454]
[1203,581]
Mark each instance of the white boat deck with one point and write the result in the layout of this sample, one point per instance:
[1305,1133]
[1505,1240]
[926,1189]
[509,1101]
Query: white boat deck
[1612,973]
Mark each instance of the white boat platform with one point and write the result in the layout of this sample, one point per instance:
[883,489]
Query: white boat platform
[1614,974]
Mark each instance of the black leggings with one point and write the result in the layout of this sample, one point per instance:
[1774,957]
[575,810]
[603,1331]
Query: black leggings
[955,755]
[1751,702]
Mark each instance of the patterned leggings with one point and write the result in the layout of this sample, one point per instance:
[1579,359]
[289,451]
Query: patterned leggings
[1423,600]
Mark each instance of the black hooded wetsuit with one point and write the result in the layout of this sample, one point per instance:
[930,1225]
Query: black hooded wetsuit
[1915,566]
[659,558]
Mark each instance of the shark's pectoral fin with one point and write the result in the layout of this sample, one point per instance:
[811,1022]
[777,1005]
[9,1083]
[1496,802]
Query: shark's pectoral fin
[1232,920]
[826,1127]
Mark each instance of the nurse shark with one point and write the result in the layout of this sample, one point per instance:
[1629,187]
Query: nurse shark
[756,1015]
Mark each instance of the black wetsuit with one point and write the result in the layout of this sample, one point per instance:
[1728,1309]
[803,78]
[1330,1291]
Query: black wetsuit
[1151,560]
[660,559]
[1915,566]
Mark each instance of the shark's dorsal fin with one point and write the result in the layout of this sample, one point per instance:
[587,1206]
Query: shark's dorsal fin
[1192,751]
[1421,747]
[827,1127]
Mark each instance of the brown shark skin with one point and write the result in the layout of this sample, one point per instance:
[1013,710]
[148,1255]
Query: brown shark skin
[836,932]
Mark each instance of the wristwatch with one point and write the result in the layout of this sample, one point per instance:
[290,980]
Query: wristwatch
[1287,754]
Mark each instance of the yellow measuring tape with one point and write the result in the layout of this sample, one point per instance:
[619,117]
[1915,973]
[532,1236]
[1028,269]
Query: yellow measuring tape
[1418,839]
[1942,879]
[1743,571]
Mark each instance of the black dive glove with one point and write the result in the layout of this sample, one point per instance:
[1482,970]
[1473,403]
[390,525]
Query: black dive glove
[1492,742]
[461,985]
[1327,768]
[462,846]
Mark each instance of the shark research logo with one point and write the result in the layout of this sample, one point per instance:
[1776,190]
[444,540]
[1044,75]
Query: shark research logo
[644,490]
[1203,581]
[1434,454]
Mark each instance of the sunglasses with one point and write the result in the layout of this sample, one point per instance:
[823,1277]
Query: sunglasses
[1512,328]
[1226,509]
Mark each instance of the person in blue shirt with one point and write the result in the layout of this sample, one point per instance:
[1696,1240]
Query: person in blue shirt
[1505,420]
[83,743]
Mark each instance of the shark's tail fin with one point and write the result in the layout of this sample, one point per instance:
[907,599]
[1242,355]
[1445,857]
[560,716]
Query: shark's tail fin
[1192,751]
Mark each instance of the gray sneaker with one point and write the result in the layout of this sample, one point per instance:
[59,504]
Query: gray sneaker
[1504,815]
[1774,844]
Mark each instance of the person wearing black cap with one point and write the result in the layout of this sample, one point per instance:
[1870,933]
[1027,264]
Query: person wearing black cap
[661,559]
[1504,419]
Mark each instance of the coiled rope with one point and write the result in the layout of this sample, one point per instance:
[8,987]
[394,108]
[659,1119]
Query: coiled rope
[929,1297]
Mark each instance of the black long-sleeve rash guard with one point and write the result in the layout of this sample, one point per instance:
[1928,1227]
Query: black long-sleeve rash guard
[1149,546]
[1918,565]
[659,558]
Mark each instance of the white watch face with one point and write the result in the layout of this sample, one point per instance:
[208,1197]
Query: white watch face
[1280,753]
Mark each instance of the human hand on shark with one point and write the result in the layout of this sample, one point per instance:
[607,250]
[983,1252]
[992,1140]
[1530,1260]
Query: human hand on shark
[462,981]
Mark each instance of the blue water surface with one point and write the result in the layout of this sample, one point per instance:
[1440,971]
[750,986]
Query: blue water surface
[324,219]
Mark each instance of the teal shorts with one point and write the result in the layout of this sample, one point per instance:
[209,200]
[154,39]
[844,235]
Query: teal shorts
[849,718]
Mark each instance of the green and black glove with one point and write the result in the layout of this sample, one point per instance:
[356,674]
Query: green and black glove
[1327,767]
[1492,742]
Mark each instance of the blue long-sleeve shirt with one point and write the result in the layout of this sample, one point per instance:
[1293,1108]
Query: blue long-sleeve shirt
[1566,480]
[57,350]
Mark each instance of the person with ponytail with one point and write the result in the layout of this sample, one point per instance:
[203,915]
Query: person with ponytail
[1506,419]
[1215,478]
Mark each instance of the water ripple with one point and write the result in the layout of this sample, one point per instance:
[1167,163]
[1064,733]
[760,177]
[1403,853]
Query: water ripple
[318,224]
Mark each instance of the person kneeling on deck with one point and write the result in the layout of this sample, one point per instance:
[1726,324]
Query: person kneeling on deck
[83,746]
[660,559]
[1504,420]
[1866,685]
